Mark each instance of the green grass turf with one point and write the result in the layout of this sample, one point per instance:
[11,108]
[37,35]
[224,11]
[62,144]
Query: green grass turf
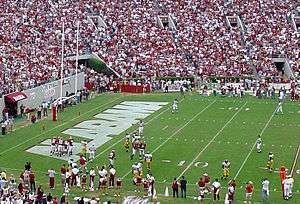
[206,129]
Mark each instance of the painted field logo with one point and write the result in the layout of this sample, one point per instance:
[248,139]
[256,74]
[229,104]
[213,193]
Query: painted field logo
[104,126]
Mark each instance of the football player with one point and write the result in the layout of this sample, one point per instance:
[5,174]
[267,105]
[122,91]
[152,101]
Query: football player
[135,147]
[249,192]
[259,144]
[53,146]
[141,127]
[111,158]
[148,160]
[92,151]
[142,149]
[126,144]
[225,167]
[175,106]
[270,163]
[281,101]
[216,187]
[70,145]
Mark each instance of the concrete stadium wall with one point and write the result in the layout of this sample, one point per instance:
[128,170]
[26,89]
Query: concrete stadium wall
[47,92]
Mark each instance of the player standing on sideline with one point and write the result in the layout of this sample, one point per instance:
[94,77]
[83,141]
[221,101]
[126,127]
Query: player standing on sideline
[51,174]
[111,158]
[249,192]
[225,167]
[92,151]
[141,127]
[70,146]
[127,144]
[216,187]
[53,146]
[265,190]
[175,106]
[281,101]
[287,187]
[270,163]
[92,178]
[259,144]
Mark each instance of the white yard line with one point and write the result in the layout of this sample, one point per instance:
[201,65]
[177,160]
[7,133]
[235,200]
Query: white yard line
[122,138]
[251,150]
[211,141]
[295,161]
[47,131]
[165,127]
[176,132]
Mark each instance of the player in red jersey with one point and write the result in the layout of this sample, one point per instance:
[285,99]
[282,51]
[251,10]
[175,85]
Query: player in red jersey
[146,187]
[137,182]
[63,171]
[206,179]
[83,182]
[82,162]
[119,187]
[249,192]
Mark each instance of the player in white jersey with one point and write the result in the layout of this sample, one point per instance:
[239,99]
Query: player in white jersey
[291,181]
[60,146]
[53,146]
[175,106]
[287,187]
[265,190]
[111,158]
[148,160]
[70,146]
[141,127]
[92,150]
[281,100]
[259,144]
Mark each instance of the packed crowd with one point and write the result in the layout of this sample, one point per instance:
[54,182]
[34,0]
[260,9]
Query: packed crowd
[134,44]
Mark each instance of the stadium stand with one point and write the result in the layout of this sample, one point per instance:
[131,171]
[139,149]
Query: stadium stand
[134,44]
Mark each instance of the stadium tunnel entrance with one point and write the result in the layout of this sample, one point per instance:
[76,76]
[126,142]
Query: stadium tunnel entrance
[11,102]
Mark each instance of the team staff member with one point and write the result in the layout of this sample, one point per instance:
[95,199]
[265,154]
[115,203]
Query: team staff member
[183,183]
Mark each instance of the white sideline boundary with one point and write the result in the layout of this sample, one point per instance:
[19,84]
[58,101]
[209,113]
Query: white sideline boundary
[295,161]
[252,148]
[177,131]
[211,141]
[47,131]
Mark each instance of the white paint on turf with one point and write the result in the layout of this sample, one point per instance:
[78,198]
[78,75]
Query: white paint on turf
[211,141]
[176,132]
[254,145]
[54,128]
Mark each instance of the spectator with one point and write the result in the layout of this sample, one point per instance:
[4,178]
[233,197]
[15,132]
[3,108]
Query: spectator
[175,188]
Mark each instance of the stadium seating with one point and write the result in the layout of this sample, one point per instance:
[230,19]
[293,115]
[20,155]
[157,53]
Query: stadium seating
[135,45]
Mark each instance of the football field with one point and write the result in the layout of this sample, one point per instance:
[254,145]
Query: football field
[196,140]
